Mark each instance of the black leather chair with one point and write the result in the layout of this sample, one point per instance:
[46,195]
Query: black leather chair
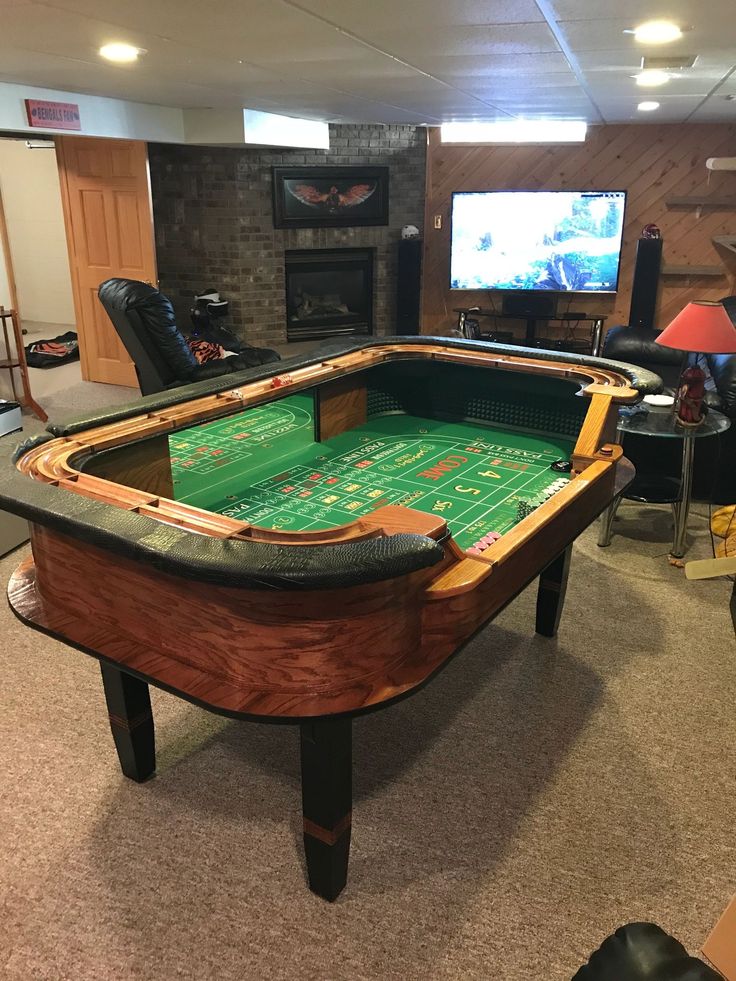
[715,458]
[644,952]
[145,322]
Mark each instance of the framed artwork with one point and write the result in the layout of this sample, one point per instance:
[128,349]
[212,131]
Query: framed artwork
[329,197]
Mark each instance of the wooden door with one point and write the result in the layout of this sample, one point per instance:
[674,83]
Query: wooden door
[109,227]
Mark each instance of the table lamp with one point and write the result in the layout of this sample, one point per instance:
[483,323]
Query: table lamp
[703,327]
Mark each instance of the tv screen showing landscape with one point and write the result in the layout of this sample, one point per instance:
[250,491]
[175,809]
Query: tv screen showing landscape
[567,241]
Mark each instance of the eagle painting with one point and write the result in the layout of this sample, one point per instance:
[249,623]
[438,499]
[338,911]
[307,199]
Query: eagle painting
[334,201]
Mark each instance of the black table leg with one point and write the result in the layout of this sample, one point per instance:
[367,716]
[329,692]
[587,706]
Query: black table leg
[131,721]
[551,593]
[327,802]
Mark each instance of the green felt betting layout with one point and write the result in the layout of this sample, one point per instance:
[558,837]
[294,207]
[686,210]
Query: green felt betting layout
[263,466]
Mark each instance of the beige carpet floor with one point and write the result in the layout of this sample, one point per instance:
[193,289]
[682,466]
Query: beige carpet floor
[536,796]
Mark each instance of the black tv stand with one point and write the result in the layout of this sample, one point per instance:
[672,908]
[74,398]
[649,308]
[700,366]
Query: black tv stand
[529,305]
[530,339]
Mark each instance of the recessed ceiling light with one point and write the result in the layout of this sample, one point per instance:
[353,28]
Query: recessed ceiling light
[647,106]
[120,52]
[651,79]
[657,32]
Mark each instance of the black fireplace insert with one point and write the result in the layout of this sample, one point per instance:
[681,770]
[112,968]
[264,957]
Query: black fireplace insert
[328,292]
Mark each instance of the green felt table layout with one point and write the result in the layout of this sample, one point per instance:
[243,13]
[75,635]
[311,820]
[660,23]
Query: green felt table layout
[264,466]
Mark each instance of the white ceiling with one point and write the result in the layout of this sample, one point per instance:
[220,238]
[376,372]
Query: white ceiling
[412,61]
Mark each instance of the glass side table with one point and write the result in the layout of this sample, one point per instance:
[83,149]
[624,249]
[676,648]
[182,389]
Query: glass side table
[661,422]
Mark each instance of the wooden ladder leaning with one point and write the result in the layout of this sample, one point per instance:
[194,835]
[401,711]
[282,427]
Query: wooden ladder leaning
[16,359]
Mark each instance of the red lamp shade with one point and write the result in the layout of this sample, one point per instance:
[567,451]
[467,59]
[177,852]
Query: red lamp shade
[702,326]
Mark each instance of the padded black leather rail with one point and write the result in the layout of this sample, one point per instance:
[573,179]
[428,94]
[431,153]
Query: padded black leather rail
[172,550]
[645,382]
[30,444]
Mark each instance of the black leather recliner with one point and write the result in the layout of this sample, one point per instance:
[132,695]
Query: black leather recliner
[146,324]
[644,952]
[715,458]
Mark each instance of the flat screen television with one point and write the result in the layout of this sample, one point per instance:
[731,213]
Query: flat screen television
[562,241]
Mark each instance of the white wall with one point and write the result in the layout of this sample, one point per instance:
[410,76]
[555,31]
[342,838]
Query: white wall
[235,127]
[99,116]
[29,183]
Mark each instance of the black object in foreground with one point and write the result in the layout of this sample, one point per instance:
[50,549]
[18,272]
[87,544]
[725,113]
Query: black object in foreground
[644,952]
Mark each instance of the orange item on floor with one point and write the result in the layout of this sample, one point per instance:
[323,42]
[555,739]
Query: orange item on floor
[720,947]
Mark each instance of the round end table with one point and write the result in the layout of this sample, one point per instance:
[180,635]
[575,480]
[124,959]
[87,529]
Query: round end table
[660,422]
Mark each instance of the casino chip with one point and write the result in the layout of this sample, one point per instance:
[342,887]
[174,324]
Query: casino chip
[483,543]
[523,510]
[561,466]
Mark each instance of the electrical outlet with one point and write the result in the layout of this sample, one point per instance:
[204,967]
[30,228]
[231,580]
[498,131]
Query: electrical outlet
[438,221]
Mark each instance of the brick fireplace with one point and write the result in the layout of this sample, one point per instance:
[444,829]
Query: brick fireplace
[214,226]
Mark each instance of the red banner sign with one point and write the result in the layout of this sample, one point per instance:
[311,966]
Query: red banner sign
[53,115]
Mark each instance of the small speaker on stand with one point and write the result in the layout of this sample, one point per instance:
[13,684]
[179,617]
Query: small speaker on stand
[408,286]
[646,282]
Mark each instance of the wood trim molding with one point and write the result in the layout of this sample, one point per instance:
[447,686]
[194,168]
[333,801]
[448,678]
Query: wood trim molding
[8,257]
[61,163]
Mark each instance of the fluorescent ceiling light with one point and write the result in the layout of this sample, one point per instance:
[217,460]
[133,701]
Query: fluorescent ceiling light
[652,79]
[120,52]
[657,32]
[515,131]
[647,106]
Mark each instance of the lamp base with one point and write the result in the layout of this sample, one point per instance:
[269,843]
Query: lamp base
[690,395]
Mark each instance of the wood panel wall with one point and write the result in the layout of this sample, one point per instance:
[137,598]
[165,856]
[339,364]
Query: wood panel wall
[653,163]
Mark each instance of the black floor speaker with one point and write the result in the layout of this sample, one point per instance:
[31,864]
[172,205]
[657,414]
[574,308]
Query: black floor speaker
[646,282]
[408,286]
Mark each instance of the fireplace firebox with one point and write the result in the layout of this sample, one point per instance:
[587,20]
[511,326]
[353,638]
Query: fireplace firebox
[328,292]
